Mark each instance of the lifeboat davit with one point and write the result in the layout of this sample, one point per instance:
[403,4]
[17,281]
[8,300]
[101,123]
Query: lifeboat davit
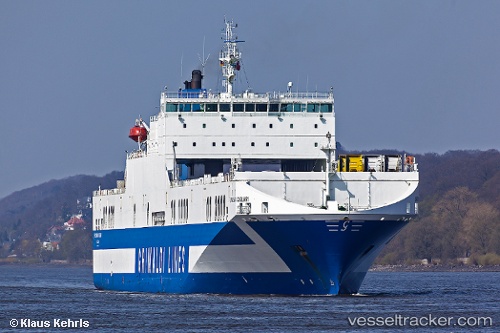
[138,134]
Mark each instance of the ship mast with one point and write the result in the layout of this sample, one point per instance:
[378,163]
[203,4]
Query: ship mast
[229,58]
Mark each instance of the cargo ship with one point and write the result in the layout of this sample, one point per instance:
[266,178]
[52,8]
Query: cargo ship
[245,193]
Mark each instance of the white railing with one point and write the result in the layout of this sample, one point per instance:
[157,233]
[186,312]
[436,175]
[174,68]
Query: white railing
[136,154]
[109,192]
[218,97]
[207,179]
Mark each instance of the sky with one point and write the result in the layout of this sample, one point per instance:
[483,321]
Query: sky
[420,76]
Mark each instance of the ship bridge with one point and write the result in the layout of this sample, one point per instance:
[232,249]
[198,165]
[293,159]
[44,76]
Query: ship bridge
[278,131]
[271,102]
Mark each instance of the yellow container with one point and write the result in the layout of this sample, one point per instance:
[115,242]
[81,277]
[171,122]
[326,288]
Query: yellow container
[355,163]
[350,163]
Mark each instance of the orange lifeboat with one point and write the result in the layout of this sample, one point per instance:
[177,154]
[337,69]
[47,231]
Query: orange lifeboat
[138,134]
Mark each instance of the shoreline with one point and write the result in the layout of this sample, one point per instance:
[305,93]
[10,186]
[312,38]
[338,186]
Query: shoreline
[434,268]
[41,263]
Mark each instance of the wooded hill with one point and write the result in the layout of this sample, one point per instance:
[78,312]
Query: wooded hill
[459,206]
[27,215]
[458,211]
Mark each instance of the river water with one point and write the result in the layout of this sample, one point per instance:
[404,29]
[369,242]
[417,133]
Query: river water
[63,298]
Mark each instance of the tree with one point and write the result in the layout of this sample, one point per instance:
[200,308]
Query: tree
[27,247]
[77,245]
[449,213]
[423,240]
[480,228]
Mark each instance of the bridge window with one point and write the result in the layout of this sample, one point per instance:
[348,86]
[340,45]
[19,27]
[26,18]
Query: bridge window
[171,107]
[286,107]
[249,107]
[238,107]
[274,107]
[312,107]
[326,108]
[198,107]
[261,107]
[211,107]
[224,107]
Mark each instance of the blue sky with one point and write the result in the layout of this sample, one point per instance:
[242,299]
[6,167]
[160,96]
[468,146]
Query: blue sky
[420,76]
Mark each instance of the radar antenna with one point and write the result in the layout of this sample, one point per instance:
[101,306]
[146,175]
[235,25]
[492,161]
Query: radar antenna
[229,57]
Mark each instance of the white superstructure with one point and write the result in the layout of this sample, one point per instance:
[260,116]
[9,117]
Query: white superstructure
[225,157]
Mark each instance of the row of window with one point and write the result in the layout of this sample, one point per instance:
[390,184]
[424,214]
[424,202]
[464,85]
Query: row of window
[233,144]
[220,208]
[179,211]
[234,125]
[249,107]
[108,218]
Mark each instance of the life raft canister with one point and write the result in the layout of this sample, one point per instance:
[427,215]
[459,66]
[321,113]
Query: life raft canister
[138,134]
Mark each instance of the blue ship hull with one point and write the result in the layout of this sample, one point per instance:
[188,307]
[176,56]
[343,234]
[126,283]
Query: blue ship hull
[260,257]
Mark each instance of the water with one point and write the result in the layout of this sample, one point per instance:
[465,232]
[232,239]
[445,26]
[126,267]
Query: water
[50,295]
